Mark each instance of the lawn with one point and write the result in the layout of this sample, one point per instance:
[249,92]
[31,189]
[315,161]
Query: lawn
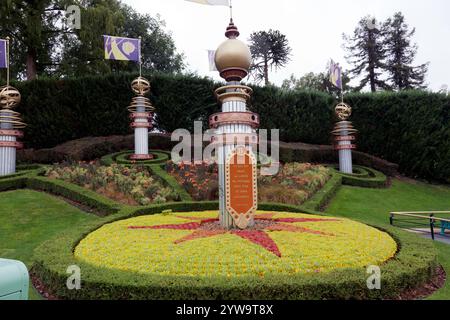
[374,205]
[28,218]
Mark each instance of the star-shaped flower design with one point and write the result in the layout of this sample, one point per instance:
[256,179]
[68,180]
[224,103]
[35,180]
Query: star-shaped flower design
[265,222]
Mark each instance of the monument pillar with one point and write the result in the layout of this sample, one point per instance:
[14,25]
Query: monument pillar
[10,123]
[141,114]
[235,135]
[344,138]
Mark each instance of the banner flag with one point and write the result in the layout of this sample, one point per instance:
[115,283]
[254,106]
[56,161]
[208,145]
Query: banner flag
[124,49]
[336,74]
[212,62]
[212,2]
[3,54]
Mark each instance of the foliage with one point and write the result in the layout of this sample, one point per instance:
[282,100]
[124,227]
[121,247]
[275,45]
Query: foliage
[294,183]
[317,82]
[83,49]
[199,180]
[270,49]
[372,206]
[127,185]
[401,54]
[42,44]
[31,25]
[28,218]
[412,266]
[158,244]
[58,111]
[367,54]
[384,47]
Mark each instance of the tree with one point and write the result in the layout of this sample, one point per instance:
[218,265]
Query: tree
[31,26]
[401,54]
[83,51]
[367,54]
[40,44]
[318,82]
[269,49]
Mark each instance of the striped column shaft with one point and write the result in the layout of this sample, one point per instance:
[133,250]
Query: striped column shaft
[345,156]
[141,134]
[7,154]
[226,219]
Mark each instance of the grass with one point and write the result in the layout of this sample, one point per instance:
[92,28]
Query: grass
[374,205]
[28,218]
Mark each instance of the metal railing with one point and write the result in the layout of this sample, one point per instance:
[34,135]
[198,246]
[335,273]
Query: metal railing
[429,215]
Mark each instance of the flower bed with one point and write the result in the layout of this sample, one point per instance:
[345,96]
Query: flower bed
[294,184]
[131,186]
[192,244]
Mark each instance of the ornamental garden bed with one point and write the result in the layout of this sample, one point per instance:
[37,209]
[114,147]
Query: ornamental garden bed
[182,254]
[126,185]
[294,184]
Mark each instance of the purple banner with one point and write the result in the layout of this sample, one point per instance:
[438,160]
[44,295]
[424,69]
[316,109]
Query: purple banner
[3,55]
[125,49]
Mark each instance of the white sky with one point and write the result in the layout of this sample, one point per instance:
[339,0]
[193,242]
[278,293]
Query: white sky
[314,29]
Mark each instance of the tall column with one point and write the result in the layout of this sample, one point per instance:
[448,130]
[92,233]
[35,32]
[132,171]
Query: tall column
[344,137]
[10,122]
[235,125]
[141,114]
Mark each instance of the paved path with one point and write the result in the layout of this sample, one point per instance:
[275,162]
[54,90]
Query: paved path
[425,233]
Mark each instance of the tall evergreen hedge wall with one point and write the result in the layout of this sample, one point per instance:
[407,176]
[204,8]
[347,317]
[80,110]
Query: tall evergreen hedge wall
[409,128]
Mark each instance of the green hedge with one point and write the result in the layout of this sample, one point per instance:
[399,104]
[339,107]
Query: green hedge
[88,198]
[412,266]
[365,178]
[322,197]
[159,171]
[155,166]
[410,128]
[13,183]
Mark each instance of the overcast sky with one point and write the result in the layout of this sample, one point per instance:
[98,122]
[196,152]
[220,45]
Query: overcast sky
[314,29]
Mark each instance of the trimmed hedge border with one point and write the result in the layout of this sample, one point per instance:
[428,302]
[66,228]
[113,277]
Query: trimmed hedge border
[103,206]
[160,172]
[322,197]
[366,178]
[155,166]
[413,266]
[121,158]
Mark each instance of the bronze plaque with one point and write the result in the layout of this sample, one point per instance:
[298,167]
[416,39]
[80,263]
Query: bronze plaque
[241,186]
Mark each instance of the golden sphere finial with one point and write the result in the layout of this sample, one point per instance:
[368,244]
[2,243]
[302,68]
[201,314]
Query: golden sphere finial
[140,86]
[343,111]
[233,57]
[9,97]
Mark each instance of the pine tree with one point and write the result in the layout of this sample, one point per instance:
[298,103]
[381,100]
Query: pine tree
[269,49]
[366,53]
[401,54]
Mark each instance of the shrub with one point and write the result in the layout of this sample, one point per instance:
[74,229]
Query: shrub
[128,185]
[294,183]
[411,128]
[413,266]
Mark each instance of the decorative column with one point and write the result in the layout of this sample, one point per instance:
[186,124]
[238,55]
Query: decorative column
[10,122]
[141,114]
[344,137]
[235,135]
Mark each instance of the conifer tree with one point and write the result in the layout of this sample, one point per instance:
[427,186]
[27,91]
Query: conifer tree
[366,53]
[401,54]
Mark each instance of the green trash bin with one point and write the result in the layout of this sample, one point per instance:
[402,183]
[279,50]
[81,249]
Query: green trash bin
[14,280]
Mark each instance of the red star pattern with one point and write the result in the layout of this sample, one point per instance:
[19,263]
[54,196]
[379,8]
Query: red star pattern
[259,237]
